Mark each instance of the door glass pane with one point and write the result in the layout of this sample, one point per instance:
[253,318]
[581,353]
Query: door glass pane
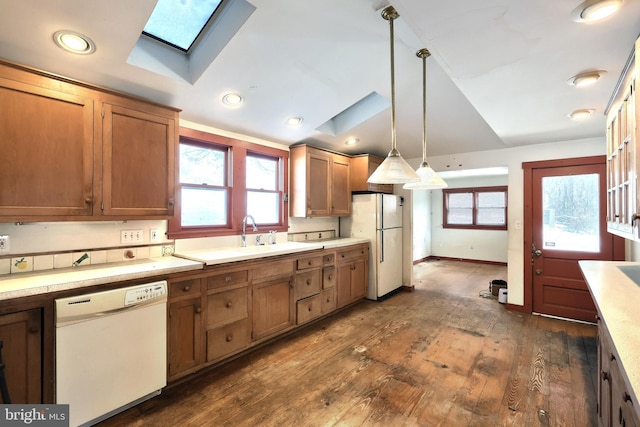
[570,213]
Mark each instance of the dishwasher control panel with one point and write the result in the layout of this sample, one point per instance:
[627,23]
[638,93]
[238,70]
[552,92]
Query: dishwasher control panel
[143,293]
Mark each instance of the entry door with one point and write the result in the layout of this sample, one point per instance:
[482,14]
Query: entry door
[568,224]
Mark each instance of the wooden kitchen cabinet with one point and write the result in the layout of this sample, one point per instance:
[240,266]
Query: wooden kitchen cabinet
[272,297]
[623,161]
[352,272]
[362,166]
[320,183]
[616,407]
[185,325]
[21,334]
[118,151]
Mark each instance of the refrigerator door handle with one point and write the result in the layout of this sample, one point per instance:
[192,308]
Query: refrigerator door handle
[381,246]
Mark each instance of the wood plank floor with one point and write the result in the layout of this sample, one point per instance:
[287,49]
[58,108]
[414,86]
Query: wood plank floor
[439,356]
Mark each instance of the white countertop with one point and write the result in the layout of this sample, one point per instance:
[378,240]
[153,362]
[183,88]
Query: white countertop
[27,284]
[214,256]
[616,296]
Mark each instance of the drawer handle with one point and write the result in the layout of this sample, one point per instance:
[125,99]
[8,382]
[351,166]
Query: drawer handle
[328,299]
[626,397]
[308,282]
[198,310]
[612,357]
[310,262]
[227,279]
[309,308]
[34,330]
[228,304]
[342,255]
[229,338]
[330,277]
[187,288]
[353,267]
[605,376]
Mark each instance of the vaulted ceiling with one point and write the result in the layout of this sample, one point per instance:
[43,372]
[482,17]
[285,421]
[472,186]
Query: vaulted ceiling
[497,76]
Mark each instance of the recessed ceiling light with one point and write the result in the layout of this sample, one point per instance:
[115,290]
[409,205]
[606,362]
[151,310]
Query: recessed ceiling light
[352,141]
[595,10]
[581,114]
[585,79]
[74,42]
[232,99]
[294,121]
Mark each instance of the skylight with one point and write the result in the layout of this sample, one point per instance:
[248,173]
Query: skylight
[179,23]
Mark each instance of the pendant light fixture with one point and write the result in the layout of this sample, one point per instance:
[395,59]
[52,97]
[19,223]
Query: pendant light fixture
[394,169]
[429,179]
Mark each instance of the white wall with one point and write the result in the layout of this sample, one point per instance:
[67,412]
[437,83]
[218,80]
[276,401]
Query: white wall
[513,158]
[483,245]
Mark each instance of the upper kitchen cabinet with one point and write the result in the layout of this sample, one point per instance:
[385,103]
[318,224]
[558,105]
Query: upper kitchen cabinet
[73,151]
[320,183]
[623,204]
[362,166]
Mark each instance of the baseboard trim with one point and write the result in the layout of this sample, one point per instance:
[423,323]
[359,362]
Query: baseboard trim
[477,261]
[406,288]
[515,307]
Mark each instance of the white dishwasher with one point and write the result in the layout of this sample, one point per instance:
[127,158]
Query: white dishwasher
[111,350]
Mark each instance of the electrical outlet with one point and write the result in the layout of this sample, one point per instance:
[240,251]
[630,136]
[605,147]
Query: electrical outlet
[131,236]
[154,235]
[4,243]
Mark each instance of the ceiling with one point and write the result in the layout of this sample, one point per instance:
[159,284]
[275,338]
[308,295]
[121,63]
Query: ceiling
[497,76]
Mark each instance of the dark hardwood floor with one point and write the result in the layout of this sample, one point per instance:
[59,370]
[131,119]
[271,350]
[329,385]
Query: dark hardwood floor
[439,356]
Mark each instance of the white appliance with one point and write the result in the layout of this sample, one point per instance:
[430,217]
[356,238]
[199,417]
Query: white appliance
[378,217]
[110,350]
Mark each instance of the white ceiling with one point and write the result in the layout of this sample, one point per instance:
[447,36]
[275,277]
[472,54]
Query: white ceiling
[496,78]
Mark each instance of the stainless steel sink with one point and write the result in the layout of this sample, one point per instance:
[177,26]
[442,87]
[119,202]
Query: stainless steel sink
[632,272]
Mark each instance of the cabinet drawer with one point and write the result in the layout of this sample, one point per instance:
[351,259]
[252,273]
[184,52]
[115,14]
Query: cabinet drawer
[329,259]
[227,279]
[228,339]
[308,308]
[307,284]
[226,307]
[349,254]
[327,300]
[184,287]
[310,262]
[328,277]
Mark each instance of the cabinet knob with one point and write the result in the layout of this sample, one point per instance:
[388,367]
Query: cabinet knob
[605,376]
[310,262]
[330,277]
[171,202]
[229,338]
[88,200]
[34,330]
[612,357]
[309,308]
[227,279]
[186,288]
[308,282]
[228,305]
[198,310]
[626,397]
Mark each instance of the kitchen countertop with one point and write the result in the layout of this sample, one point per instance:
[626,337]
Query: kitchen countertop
[26,284]
[214,256]
[616,297]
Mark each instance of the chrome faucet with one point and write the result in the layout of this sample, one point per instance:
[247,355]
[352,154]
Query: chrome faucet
[244,228]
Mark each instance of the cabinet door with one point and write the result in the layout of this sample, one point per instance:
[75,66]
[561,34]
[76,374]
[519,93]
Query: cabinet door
[340,186]
[272,307]
[604,378]
[374,162]
[21,334]
[138,156]
[343,285]
[359,276]
[46,141]
[318,183]
[185,335]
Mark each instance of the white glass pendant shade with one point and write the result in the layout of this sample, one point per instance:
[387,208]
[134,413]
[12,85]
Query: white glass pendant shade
[393,170]
[429,179]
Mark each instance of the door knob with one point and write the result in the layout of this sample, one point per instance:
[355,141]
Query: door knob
[538,272]
[537,252]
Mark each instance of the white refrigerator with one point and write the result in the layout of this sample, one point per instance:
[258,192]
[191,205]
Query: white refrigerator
[378,217]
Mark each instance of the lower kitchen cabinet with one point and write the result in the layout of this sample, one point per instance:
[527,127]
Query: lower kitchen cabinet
[352,274]
[21,335]
[615,404]
[185,348]
[272,308]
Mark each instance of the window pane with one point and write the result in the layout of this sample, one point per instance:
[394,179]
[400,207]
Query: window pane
[264,207]
[262,173]
[570,213]
[203,206]
[460,216]
[200,165]
[495,199]
[460,200]
[179,22]
[491,216]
